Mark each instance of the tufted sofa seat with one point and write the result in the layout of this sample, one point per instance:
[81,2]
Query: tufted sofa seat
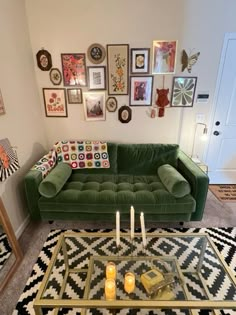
[91,194]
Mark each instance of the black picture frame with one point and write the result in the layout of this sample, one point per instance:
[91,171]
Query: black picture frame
[44,60]
[96,53]
[125,114]
[183,91]
[140,61]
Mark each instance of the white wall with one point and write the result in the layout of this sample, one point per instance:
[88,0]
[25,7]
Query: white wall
[22,124]
[62,26]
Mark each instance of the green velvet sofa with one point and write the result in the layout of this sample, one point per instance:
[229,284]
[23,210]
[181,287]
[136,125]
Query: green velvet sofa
[132,179]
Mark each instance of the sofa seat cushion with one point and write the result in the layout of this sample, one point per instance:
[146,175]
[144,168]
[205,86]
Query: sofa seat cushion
[108,193]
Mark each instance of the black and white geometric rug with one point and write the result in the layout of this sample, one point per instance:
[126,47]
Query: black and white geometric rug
[5,249]
[224,239]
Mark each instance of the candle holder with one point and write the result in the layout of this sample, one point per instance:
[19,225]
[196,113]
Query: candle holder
[110,289]
[129,282]
[111,270]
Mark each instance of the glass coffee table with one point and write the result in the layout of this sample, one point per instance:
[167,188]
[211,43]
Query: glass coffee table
[195,275]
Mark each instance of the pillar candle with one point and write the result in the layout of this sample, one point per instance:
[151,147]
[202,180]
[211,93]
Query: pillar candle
[110,289]
[111,271]
[143,229]
[132,222]
[117,228]
[129,284]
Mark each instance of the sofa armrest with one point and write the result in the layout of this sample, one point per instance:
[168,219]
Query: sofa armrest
[32,180]
[198,181]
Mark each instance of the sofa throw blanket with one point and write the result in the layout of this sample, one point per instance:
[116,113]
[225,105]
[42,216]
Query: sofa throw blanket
[46,163]
[83,154]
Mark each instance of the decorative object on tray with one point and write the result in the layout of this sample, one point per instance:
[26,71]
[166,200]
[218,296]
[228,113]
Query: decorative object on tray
[183,91]
[2,107]
[96,53]
[140,60]
[97,78]
[55,76]
[82,154]
[94,106]
[141,90]
[162,99]
[164,56]
[110,289]
[125,114]
[44,60]
[129,282]
[111,270]
[111,104]
[189,61]
[8,160]
[118,69]
[75,96]
[55,102]
[74,69]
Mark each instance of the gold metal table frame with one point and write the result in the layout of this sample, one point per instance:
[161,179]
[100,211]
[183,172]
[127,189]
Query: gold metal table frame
[86,303]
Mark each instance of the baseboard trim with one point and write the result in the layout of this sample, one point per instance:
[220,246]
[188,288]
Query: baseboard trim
[22,227]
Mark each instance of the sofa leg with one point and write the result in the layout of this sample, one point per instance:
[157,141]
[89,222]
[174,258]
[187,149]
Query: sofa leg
[50,221]
[181,223]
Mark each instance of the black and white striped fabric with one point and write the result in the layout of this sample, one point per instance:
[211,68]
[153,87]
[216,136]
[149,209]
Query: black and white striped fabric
[224,239]
[8,160]
[5,249]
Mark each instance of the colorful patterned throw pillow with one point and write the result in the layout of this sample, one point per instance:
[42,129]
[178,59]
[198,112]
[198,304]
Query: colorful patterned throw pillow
[83,154]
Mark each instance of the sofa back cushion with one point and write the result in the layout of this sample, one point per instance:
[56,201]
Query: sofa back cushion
[112,153]
[144,159]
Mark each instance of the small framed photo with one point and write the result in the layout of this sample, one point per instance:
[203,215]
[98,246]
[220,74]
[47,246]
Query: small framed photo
[55,102]
[164,56]
[118,69]
[125,114]
[44,60]
[97,78]
[140,60]
[96,53]
[111,104]
[74,69]
[55,76]
[141,91]
[94,106]
[2,108]
[183,91]
[74,96]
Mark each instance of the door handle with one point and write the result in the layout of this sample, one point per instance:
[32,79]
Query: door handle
[216,133]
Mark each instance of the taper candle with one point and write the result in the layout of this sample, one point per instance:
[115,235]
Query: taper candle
[117,228]
[110,289]
[132,222]
[111,270]
[143,229]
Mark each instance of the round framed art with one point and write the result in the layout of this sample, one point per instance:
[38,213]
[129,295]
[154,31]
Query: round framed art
[111,104]
[96,53]
[55,76]
[125,114]
[44,60]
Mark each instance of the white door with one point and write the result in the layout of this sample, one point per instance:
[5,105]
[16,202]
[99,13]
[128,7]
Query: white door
[221,153]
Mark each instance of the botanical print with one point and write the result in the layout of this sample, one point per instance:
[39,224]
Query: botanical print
[164,56]
[183,91]
[2,108]
[94,106]
[55,102]
[74,69]
[141,90]
[118,69]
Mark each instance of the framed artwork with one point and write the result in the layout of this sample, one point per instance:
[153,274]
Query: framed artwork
[55,76]
[140,60]
[96,53]
[9,163]
[164,56]
[94,106]
[183,91]
[125,114]
[44,60]
[141,91]
[74,69]
[74,96]
[2,108]
[111,104]
[55,102]
[118,69]
[97,78]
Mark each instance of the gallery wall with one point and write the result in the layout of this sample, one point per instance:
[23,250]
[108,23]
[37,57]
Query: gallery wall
[22,124]
[72,26]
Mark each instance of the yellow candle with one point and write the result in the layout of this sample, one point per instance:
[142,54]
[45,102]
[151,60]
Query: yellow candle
[110,289]
[129,282]
[111,271]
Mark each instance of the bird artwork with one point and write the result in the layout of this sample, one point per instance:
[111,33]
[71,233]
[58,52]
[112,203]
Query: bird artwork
[189,61]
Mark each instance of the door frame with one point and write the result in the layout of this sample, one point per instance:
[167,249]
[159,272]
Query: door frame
[227,37]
